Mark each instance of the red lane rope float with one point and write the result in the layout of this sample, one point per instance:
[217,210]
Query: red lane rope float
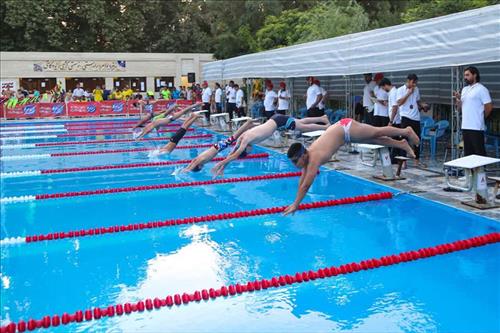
[71,143]
[107,126]
[113,133]
[140,165]
[115,151]
[164,186]
[202,219]
[250,286]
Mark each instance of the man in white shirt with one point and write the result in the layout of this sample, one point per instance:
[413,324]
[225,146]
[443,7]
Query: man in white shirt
[218,98]
[231,99]
[270,100]
[408,97]
[380,108]
[367,97]
[313,98]
[78,93]
[240,111]
[322,104]
[206,98]
[475,103]
[393,111]
[283,99]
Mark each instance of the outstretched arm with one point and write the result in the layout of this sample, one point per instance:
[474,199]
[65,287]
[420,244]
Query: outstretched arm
[218,170]
[306,180]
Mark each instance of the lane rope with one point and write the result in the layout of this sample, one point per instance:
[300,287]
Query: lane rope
[115,133]
[115,166]
[191,220]
[72,143]
[24,198]
[236,289]
[92,152]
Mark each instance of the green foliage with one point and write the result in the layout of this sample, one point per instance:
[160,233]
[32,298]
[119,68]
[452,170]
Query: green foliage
[223,27]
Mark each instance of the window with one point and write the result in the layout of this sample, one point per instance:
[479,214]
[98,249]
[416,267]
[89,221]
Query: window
[163,81]
[137,84]
[42,85]
[87,83]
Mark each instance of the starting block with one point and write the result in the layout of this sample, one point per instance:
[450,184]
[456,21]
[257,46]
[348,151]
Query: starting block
[313,134]
[382,153]
[204,121]
[475,179]
[239,121]
[221,121]
[497,185]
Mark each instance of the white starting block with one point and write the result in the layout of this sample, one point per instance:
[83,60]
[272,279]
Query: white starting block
[204,121]
[382,153]
[475,179]
[239,121]
[313,134]
[221,120]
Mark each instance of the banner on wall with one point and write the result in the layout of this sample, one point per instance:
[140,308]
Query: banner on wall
[8,84]
[112,107]
[22,111]
[83,109]
[47,110]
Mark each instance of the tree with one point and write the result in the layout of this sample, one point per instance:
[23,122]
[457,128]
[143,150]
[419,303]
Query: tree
[433,8]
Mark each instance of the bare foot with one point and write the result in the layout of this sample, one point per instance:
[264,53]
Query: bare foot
[326,120]
[406,147]
[412,137]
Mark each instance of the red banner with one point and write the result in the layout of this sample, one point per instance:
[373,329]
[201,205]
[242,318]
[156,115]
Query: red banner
[112,107]
[49,110]
[83,109]
[22,111]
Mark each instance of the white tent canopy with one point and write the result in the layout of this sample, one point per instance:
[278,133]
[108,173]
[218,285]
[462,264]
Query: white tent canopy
[453,40]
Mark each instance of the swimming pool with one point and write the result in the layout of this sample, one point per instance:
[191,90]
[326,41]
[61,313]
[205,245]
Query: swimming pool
[453,292]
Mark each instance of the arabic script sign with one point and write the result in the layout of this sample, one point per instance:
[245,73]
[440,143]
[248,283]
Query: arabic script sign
[79,66]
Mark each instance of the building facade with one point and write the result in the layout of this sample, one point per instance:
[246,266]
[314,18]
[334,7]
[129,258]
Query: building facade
[142,72]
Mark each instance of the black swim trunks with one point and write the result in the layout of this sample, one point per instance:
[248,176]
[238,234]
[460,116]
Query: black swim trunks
[178,135]
[284,122]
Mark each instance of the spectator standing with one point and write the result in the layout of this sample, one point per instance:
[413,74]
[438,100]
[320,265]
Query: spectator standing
[313,98]
[231,102]
[324,98]
[206,99]
[98,94]
[270,101]
[368,95]
[408,98]
[240,111]
[475,103]
[380,107]
[283,99]
[78,93]
[218,98]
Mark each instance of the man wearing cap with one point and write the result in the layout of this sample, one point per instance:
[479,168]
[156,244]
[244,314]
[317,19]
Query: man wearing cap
[313,98]
[206,98]
[368,95]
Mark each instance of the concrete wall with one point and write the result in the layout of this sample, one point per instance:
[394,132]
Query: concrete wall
[15,65]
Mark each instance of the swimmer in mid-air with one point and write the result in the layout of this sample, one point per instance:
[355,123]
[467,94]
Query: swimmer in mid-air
[165,119]
[260,133]
[174,140]
[198,163]
[344,131]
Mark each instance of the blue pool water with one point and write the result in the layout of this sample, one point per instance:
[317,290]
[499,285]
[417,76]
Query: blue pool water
[457,292]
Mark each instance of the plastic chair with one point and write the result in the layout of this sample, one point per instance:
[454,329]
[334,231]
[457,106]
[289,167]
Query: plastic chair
[426,124]
[491,142]
[303,112]
[439,130]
